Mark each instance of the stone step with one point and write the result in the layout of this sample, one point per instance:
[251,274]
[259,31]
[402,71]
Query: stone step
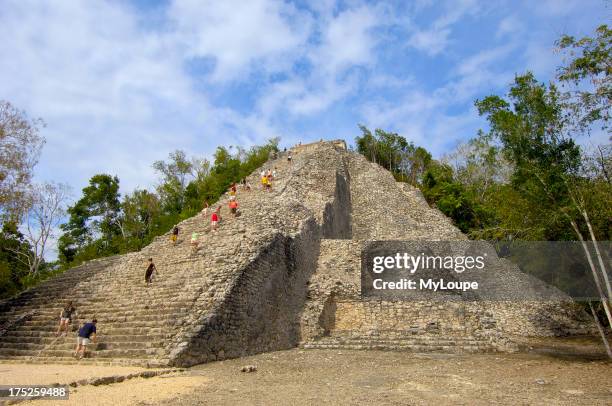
[417,344]
[140,362]
[115,332]
[95,305]
[67,343]
[407,338]
[400,347]
[141,291]
[122,353]
[177,304]
[18,338]
[101,326]
[110,318]
[113,313]
[108,329]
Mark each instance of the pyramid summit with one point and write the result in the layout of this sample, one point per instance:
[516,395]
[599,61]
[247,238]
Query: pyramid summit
[284,273]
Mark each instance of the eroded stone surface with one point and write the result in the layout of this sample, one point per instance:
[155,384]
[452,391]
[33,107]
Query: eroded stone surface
[286,271]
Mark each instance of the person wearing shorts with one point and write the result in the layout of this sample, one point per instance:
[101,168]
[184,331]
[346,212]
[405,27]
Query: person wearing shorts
[214,221]
[174,236]
[233,206]
[194,242]
[65,318]
[269,182]
[86,335]
[289,157]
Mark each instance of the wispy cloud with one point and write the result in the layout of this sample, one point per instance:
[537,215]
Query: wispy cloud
[436,38]
[121,85]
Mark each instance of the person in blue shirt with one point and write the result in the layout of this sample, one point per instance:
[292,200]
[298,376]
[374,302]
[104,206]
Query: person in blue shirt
[87,335]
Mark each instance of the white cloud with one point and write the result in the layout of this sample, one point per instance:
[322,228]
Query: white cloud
[432,41]
[115,97]
[436,39]
[238,34]
[347,40]
[509,26]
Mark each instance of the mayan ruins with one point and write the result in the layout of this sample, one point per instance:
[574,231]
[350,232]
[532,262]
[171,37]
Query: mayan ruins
[283,274]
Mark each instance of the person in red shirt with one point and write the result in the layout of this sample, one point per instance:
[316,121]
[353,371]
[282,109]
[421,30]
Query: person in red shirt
[233,206]
[214,221]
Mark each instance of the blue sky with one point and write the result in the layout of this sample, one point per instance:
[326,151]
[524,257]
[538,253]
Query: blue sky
[121,84]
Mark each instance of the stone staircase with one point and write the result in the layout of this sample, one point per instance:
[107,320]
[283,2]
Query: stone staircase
[392,341]
[138,324]
[133,326]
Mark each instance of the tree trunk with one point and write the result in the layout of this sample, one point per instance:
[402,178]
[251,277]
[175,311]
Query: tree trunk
[602,333]
[604,271]
[594,271]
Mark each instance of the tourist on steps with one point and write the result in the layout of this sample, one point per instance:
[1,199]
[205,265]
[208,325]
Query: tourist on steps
[87,335]
[174,236]
[194,243]
[214,219]
[65,318]
[245,185]
[233,206]
[149,272]
[264,181]
[269,181]
[289,157]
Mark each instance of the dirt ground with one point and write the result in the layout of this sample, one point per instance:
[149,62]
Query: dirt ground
[32,374]
[390,378]
[549,375]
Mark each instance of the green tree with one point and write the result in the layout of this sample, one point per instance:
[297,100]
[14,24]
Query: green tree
[449,196]
[174,180]
[532,127]
[140,210]
[393,152]
[96,214]
[588,70]
[12,269]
